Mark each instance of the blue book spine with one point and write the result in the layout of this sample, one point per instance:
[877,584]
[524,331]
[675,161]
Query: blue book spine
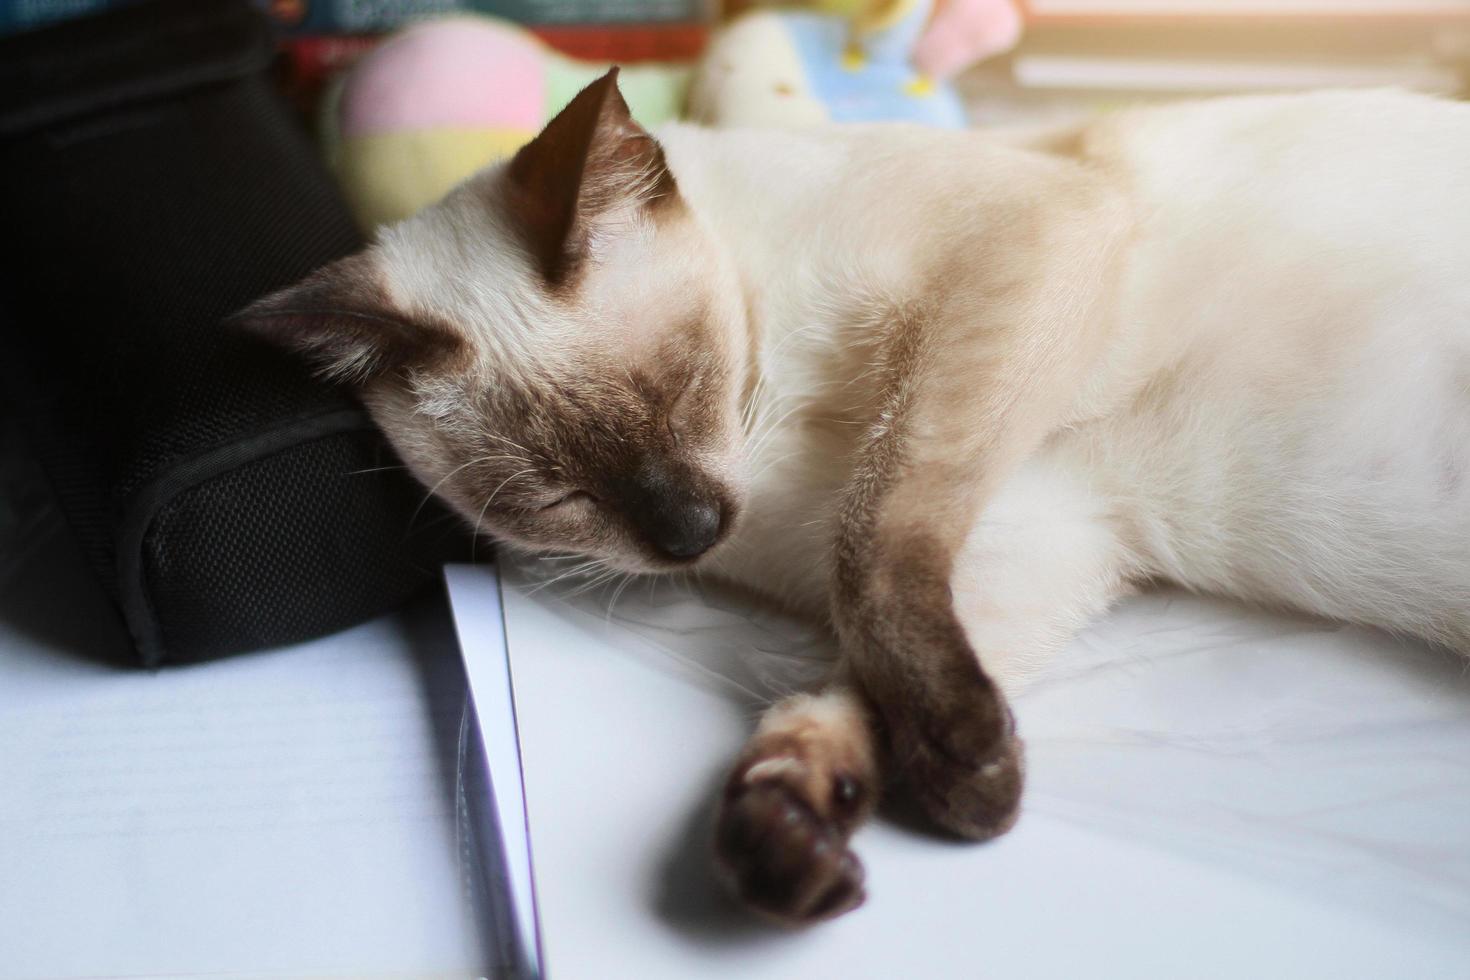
[376,16]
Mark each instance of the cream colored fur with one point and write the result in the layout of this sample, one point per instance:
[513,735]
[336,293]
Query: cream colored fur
[1283,412]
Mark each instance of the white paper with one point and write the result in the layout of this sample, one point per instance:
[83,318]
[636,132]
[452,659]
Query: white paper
[475,594]
[1213,792]
[284,813]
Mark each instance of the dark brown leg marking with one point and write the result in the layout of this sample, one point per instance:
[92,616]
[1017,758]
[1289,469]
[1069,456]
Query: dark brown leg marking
[950,734]
[957,754]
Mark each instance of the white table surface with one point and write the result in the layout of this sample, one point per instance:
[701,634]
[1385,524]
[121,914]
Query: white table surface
[1212,792]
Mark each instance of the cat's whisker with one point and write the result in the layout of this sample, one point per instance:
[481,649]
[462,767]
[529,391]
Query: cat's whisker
[756,395]
[755,477]
[797,334]
[509,442]
[546,584]
[494,493]
[767,412]
[583,568]
[432,490]
[754,400]
[767,404]
[748,408]
[772,430]
[475,538]
[592,580]
[595,582]
[628,578]
[762,422]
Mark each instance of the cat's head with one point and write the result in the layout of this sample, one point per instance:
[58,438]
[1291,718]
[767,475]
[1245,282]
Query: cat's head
[558,349]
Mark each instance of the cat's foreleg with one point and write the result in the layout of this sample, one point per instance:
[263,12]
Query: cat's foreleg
[961,415]
[1044,558]
[806,779]
[970,383]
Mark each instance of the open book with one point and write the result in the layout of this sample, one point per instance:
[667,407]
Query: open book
[1212,792]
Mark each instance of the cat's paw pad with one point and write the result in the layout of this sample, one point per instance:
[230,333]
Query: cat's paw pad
[782,857]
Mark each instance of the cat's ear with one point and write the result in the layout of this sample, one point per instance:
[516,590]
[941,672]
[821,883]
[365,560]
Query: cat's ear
[341,319]
[590,161]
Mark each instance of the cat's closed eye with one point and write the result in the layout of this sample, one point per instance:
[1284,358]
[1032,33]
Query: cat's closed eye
[568,499]
[677,418]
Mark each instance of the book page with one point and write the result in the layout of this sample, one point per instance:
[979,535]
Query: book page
[286,813]
[498,810]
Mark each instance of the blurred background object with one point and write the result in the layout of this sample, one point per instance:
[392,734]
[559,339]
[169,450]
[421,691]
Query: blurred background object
[1072,56]
[1081,56]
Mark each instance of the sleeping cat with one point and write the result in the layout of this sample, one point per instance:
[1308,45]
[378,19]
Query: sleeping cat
[952,393]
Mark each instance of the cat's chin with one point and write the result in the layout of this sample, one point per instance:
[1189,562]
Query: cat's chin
[561,560]
[670,566]
[662,565]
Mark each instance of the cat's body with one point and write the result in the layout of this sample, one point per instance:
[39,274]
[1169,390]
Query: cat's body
[951,392]
[1284,415]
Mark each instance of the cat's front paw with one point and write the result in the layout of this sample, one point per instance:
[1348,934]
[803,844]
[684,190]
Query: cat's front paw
[960,758]
[807,779]
[783,858]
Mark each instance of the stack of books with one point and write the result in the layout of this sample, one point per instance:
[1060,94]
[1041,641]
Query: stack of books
[25,15]
[609,30]
[1193,47]
[621,30]
[1078,57]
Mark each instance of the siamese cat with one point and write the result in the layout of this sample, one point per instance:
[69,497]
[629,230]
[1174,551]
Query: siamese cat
[952,393]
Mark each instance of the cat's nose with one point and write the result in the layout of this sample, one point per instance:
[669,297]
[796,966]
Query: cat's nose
[688,529]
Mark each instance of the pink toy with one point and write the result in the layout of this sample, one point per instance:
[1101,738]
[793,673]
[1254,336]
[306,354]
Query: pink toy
[963,32]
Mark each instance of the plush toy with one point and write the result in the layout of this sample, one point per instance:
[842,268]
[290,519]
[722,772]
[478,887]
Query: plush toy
[849,62]
[437,102]
[964,32]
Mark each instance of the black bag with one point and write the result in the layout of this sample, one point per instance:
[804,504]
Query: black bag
[151,183]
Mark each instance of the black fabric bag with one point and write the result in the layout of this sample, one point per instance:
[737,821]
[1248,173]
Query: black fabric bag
[151,183]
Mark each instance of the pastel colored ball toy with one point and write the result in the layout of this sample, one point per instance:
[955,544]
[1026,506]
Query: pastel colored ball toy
[438,101]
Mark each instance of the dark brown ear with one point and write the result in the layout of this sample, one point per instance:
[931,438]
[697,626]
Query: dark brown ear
[591,158]
[342,320]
